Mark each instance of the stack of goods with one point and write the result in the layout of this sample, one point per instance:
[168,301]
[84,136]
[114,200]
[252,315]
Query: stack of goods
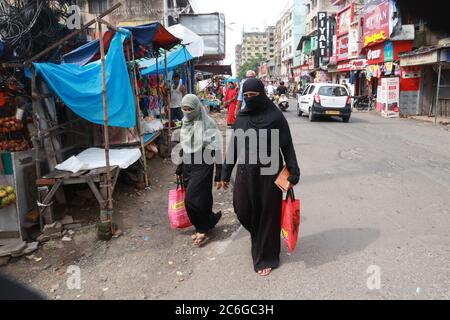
[7,196]
[11,135]
[13,102]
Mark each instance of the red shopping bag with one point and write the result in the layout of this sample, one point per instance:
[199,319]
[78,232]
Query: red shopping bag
[178,216]
[290,220]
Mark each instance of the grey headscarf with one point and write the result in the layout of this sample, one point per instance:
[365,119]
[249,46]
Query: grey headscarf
[199,130]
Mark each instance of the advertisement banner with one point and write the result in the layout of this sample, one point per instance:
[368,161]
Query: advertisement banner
[342,48]
[391,97]
[388,51]
[375,55]
[354,43]
[323,34]
[376,22]
[343,20]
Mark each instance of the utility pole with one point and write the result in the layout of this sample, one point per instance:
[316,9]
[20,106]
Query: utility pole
[166,13]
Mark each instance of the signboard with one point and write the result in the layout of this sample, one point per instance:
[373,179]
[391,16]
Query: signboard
[211,27]
[391,97]
[323,34]
[352,65]
[376,22]
[342,48]
[411,72]
[424,58]
[388,51]
[354,43]
[359,64]
[375,55]
[343,20]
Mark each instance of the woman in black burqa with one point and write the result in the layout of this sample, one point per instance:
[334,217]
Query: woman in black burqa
[256,198]
[200,140]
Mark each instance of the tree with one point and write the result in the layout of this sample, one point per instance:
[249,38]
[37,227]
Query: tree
[252,64]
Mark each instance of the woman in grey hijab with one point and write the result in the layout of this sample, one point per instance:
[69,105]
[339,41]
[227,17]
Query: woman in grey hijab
[201,145]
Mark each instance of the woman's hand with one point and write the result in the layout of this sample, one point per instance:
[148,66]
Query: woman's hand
[289,186]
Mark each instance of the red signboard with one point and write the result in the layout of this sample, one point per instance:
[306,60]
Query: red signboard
[375,54]
[342,48]
[352,65]
[376,22]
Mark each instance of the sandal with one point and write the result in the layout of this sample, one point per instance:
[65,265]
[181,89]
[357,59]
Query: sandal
[265,272]
[201,239]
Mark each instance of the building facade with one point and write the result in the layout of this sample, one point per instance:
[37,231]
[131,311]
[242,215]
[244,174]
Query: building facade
[238,57]
[290,28]
[313,62]
[258,45]
[134,12]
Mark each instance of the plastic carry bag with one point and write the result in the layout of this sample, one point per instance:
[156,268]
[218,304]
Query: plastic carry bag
[290,220]
[178,216]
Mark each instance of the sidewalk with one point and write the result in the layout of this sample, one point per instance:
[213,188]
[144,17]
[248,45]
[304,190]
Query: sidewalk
[442,121]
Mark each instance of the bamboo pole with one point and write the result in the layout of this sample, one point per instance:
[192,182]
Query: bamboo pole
[109,204]
[437,94]
[36,119]
[138,106]
[168,100]
[158,89]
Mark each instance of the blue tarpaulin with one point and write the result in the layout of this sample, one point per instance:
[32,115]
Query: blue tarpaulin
[174,59]
[83,54]
[80,87]
[148,34]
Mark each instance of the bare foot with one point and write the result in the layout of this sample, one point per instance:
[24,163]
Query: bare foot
[201,239]
[265,272]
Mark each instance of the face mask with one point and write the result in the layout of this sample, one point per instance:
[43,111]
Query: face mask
[190,115]
[253,103]
[231,87]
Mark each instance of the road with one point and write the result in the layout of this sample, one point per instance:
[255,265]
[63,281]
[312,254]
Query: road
[374,204]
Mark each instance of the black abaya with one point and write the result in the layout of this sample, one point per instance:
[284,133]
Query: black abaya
[256,198]
[198,179]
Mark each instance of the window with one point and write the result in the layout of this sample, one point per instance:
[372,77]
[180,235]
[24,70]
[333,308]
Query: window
[332,91]
[311,89]
[98,6]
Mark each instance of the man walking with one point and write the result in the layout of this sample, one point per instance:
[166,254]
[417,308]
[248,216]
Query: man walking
[177,92]
[241,103]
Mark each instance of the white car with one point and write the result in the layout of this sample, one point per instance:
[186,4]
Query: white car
[325,99]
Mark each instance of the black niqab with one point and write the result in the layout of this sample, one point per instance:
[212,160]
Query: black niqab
[261,113]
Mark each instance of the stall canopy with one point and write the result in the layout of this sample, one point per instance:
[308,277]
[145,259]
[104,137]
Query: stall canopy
[174,59]
[149,34]
[192,41]
[80,87]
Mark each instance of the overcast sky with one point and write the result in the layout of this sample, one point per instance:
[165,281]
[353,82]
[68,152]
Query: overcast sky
[247,13]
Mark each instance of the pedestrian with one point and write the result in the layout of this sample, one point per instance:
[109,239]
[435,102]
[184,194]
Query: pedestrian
[177,92]
[200,140]
[344,83]
[230,102]
[241,103]
[257,200]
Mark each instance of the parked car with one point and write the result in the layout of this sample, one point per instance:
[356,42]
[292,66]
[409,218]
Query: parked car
[325,99]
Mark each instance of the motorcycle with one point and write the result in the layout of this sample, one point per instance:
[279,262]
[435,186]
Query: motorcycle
[365,102]
[283,102]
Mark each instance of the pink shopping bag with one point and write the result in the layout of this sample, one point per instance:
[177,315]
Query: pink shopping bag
[178,216]
[290,220]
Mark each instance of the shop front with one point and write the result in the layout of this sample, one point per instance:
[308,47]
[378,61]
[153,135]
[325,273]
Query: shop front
[425,88]
[382,66]
[353,72]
